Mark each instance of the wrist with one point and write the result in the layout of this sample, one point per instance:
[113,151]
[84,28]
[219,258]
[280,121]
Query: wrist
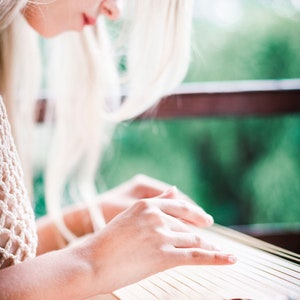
[86,253]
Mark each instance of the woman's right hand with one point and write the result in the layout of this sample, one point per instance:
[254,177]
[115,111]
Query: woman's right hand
[150,236]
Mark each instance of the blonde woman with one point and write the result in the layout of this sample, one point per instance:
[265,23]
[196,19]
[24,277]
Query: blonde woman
[146,220]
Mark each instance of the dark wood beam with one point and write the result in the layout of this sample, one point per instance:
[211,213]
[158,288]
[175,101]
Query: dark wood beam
[217,99]
[250,98]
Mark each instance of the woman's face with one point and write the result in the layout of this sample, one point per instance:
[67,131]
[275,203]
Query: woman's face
[52,17]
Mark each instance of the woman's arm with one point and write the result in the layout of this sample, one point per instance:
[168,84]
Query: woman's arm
[148,237]
[76,218]
[63,274]
[112,202]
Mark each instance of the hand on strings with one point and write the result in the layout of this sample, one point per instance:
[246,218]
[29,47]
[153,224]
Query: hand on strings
[139,187]
[150,236]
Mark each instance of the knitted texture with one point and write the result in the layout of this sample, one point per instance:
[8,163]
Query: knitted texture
[18,237]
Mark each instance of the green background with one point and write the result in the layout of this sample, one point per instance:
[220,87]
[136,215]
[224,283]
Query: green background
[243,170]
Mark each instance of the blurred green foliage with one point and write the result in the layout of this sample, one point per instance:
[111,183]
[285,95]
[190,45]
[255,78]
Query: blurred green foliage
[241,170]
[261,45]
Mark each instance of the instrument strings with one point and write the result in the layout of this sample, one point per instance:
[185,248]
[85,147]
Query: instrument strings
[263,272]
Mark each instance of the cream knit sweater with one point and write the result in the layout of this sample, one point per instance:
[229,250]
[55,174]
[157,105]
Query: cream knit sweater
[18,238]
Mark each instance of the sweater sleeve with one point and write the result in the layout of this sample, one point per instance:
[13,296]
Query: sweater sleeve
[18,237]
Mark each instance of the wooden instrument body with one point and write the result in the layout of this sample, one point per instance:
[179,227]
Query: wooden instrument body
[263,272]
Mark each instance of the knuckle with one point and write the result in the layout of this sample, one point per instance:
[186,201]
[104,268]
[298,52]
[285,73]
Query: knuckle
[154,218]
[197,241]
[183,205]
[162,240]
[141,205]
[217,258]
[150,214]
[196,255]
[140,184]
[139,179]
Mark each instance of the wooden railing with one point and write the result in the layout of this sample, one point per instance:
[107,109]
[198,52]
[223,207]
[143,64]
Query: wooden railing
[241,98]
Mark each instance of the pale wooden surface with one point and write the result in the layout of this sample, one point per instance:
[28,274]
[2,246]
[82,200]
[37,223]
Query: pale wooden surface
[261,273]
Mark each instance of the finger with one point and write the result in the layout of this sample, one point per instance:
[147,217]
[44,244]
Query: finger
[173,192]
[170,193]
[196,256]
[186,211]
[174,224]
[147,187]
[191,240]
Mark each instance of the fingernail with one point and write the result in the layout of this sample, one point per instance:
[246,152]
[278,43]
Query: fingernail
[232,259]
[174,189]
[209,219]
[171,189]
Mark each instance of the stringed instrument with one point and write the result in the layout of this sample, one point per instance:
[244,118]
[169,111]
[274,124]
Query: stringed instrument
[263,272]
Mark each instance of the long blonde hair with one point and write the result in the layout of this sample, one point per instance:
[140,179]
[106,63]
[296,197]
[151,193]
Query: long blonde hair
[19,76]
[87,86]
[9,10]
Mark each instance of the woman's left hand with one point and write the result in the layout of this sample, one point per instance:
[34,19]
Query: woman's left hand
[139,187]
[113,202]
